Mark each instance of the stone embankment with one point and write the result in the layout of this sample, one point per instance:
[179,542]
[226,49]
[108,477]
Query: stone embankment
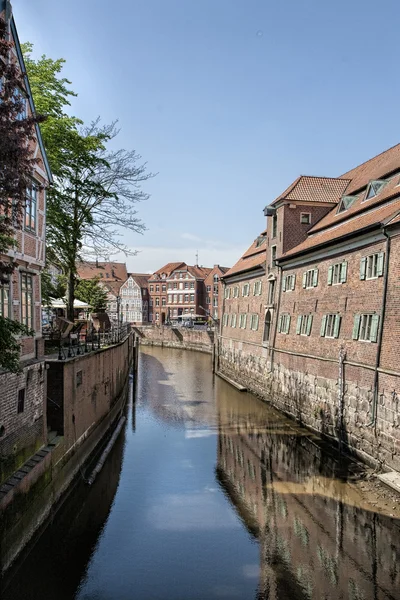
[176,337]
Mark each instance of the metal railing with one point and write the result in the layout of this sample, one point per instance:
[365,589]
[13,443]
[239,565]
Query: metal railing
[77,344]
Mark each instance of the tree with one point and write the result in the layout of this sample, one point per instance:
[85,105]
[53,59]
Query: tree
[17,131]
[52,288]
[89,290]
[96,188]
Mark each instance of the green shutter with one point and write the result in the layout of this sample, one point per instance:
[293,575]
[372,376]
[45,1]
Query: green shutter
[256,322]
[336,328]
[288,325]
[374,328]
[356,327]
[304,279]
[260,288]
[363,269]
[298,326]
[244,321]
[284,284]
[343,272]
[280,324]
[309,324]
[293,281]
[315,278]
[330,275]
[379,266]
[323,326]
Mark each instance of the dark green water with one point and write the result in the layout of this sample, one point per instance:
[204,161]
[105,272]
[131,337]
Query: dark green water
[209,493]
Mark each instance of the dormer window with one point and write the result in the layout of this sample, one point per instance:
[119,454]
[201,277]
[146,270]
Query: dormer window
[374,188]
[345,203]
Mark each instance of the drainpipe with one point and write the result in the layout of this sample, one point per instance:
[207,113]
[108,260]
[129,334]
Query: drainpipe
[277,305]
[219,333]
[380,334]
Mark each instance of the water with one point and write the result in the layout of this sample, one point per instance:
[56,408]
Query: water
[209,493]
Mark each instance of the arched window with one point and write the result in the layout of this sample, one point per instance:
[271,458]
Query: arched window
[267,326]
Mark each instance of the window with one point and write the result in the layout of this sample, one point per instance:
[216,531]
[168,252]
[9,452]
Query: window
[304,324]
[215,290]
[245,289]
[216,278]
[163,287]
[284,323]
[271,291]
[225,319]
[152,288]
[274,225]
[180,297]
[267,327]
[257,290]
[226,293]
[330,326]
[191,297]
[289,282]
[236,291]
[337,273]
[233,320]
[273,256]
[192,285]
[151,302]
[19,95]
[310,278]
[157,301]
[208,288]
[187,298]
[175,285]
[157,316]
[254,322]
[186,285]
[27,300]
[157,288]
[169,298]
[30,207]
[163,302]
[21,401]
[215,301]
[305,218]
[374,187]
[345,203]
[371,266]
[366,327]
[5,300]
[242,320]
[78,378]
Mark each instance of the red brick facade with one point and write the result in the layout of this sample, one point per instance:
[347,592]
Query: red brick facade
[214,291]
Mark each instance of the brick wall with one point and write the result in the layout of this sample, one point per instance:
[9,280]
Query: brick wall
[174,337]
[22,433]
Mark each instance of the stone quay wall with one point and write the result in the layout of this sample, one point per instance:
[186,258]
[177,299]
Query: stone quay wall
[337,402]
[176,337]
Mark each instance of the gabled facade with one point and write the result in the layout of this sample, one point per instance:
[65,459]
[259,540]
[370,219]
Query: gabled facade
[158,292]
[111,276]
[22,415]
[135,299]
[328,354]
[187,292]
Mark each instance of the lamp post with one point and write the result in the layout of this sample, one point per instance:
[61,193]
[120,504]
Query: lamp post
[118,309]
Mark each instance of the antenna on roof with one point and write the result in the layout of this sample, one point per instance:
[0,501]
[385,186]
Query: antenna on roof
[197,257]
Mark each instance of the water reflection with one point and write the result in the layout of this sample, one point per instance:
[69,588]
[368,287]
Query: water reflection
[318,539]
[210,494]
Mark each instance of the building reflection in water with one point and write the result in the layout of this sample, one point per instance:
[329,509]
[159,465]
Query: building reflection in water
[317,540]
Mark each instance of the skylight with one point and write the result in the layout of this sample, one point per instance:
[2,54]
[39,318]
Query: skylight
[374,187]
[345,203]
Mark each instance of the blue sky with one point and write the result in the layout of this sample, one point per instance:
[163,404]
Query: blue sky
[227,100]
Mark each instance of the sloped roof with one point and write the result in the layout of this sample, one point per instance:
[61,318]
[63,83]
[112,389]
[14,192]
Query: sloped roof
[374,217]
[255,256]
[142,279]
[314,189]
[199,272]
[168,268]
[112,286]
[375,168]
[105,271]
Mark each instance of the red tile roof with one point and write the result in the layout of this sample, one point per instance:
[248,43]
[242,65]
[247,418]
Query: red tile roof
[112,286]
[142,279]
[374,216]
[375,168]
[252,258]
[105,271]
[199,272]
[168,268]
[314,189]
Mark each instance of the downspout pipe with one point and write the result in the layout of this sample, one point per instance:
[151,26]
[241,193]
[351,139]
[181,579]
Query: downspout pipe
[276,314]
[372,423]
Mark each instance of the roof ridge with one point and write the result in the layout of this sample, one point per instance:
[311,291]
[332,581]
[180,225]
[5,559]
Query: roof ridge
[369,160]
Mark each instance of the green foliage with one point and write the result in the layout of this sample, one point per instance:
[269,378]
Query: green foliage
[89,290]
[51,289]
[9,346]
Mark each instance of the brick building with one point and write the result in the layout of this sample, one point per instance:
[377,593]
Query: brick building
[158,292]
[187,291]
[331,330]
[22,414]
[214,291]
[135,299]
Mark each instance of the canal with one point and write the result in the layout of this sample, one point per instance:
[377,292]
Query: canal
[209,493]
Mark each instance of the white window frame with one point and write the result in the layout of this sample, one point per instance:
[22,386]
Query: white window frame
[365,327]
[310,278]
[372,266]
[305,214]
[337,273]
[284,323]
[330,325]
[254,322]
[289,282]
